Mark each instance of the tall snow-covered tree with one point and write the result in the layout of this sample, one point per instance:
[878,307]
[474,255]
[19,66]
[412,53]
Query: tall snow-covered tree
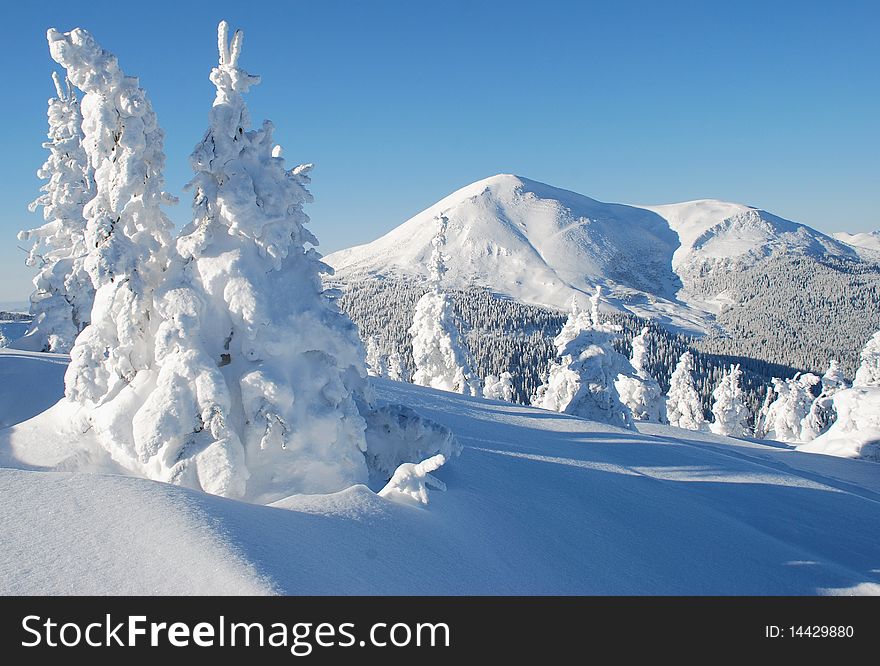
[855,432]
[784,419]
[441,359]
[127,233]
[260,375]
[640,392]
[683,406]
[499,387]
[61,303]
[730,412]
[822,413]
[581,381]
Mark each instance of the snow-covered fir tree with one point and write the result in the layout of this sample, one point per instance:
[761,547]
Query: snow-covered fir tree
[260,376]
[397,367]
[760,426]
[640,392]
[498,387]
[683,406]
[855,432]
[731,414]
[440,357]
[581,381]
[127,233]
[377,359]
[822,413]
[868,373]
[784,419]
[61,303]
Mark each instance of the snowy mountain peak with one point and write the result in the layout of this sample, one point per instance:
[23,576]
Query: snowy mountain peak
[528,240]
[541,244]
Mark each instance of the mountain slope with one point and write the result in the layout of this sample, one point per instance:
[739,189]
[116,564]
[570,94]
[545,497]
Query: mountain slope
[541,245]
[538,503]
[529,240]
[866,242]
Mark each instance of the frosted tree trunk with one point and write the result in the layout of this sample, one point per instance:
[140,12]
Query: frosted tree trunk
[61,303]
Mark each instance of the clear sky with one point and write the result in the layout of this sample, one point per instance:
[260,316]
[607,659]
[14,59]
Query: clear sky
[774,104]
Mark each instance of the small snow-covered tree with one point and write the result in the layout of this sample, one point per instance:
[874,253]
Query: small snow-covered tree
[868,373]
[581,381]
[377,359]
[760,429]
[61,303]
[441,359]
[260,375]
[499,387]
[127,234]
[822,413]
[397,368]
[640,392]
[683,406]
[855,432]
[730,412]
[786,414]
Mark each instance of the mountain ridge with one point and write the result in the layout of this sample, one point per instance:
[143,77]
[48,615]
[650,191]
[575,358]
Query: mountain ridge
[544,245]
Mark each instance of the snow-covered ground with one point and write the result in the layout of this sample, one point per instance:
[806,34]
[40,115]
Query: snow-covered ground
[538,502]
[30,382]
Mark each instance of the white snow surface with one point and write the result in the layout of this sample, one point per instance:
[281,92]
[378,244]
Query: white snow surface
[537,503]
[540,244]
[869,241]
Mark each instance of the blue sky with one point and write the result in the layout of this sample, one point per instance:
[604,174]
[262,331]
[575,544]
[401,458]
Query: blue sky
[774,104]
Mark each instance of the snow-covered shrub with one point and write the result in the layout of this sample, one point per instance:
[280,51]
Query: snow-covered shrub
[785,416]
[683,405]
[822,413]
[498,387]
[731,414]
[640,392]
[856,431]
[582,379]
[410,481]
[441,359]
[61,303]
[127,234]
[396,434]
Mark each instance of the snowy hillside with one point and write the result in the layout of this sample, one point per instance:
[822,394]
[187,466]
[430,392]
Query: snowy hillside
[540,244]
[864,241]
[538,502]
